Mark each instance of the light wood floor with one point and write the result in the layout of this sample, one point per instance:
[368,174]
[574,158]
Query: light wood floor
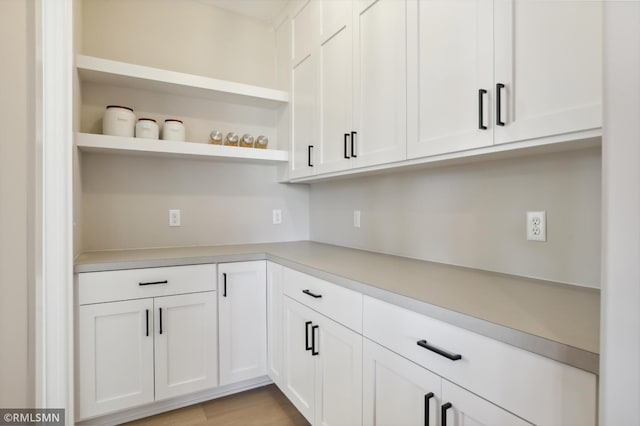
[265,406]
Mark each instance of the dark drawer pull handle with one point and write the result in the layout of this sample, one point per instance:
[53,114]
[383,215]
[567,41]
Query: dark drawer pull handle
[155,282]
[147,323]
[314,352]
[443,413]
[353,144]
[310,149]
[346,145]
[160,320]
[427,397]
[307,346]
[481,93]
[499,88]
[315,296]
[452,357]
[224,284]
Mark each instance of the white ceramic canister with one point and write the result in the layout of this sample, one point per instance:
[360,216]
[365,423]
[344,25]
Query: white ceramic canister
[147,128]
[118,121]
[173,130]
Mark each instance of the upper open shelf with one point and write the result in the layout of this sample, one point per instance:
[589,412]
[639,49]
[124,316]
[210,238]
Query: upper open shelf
[105,71]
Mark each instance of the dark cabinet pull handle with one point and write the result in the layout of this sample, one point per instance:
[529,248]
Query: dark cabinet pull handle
[452,357]
[155,282]
[315,296]
[313,340]
[427,397]
[224,284]
[346,145]
[481,93]
[307,346]
[147,323]
[160,320]
[310,150]
[443,413]
[353,144]
[499,88]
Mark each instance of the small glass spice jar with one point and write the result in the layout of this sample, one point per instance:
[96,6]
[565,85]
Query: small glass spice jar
[261,142]
[246,141]
[118,121]
[173,130]
[147,128]
[215,138]
[231,139]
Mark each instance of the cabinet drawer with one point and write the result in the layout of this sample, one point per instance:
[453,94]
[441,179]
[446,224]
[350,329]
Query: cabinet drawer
[98,287]
[535,388]
[338,303]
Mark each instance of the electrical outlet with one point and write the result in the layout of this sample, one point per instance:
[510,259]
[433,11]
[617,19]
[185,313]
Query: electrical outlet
[356,218]
[174,217]
[277,216]
[537,226]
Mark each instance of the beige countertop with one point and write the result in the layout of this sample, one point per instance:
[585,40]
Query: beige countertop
[555,320]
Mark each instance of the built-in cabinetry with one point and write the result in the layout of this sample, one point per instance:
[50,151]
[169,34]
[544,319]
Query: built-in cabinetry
[145,335]
[341,357]
[242,306]
[484,73]
[381,82]
[348,85]
[322,354]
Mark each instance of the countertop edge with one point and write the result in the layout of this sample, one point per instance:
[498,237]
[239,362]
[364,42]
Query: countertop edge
[569,355]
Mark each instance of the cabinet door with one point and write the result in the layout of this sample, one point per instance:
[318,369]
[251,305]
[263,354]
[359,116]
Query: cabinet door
[453,42]
[338,353]
[549,58]
[115,362]
[467,409]
[380,64]
[397,392]
[303,95]
[242,303]
[299,363]
[185,343]
[335,85]
[274,321]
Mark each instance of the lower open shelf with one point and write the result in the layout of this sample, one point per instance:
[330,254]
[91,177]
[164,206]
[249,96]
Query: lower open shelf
[88,142]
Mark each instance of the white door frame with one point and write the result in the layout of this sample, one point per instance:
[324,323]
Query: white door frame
[54,258]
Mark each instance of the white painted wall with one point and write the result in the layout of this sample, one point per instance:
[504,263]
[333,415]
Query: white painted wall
[14,205]
[620,318]
[474,215]
[127,199]
[187,36]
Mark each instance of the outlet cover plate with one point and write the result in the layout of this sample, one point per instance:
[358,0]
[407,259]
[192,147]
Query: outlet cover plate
[537,226]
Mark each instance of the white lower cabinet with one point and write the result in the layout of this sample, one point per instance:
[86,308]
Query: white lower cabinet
[398,392]
[185,344]
[322,367]
[125,348]
[242,303]
[153,347]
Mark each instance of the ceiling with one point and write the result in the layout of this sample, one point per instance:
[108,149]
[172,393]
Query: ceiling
[265,10]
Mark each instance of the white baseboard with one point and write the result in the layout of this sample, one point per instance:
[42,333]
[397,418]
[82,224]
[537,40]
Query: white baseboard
[174,403]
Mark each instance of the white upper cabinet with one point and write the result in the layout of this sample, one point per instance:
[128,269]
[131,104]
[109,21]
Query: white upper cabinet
[452,74]
[335,85]
[549,59]
[485,72]
[380,62]
[303,94]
